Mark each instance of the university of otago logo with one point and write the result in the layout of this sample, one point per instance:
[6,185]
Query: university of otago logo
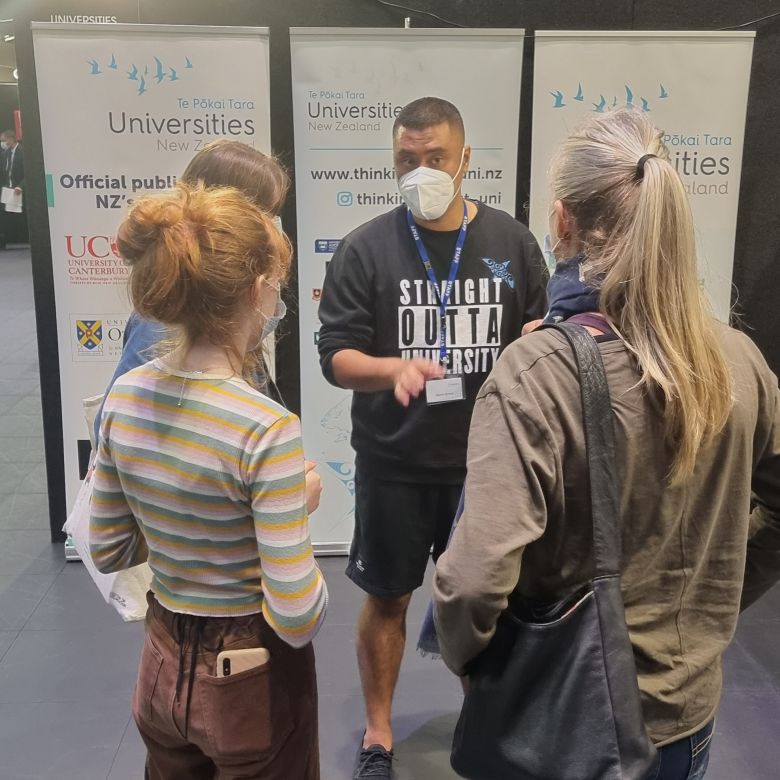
[89,334]
[97,337]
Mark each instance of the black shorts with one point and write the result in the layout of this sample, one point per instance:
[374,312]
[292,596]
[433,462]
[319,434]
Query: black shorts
[396,526]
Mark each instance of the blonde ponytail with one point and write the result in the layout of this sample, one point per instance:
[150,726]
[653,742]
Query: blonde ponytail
[637,232]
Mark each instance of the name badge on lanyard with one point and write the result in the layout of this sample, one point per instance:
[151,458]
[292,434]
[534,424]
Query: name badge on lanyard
[444,391]
[451,387]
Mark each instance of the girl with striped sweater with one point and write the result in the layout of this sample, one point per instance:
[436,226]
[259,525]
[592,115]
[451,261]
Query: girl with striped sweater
[203,476]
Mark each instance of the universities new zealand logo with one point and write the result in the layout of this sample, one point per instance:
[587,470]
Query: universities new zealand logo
[144,77]
[562,100]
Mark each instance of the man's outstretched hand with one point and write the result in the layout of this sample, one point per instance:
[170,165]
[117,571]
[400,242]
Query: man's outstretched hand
[412,376]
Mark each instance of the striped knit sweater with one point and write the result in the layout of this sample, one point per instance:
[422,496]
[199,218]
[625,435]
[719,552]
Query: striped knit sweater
[204,477]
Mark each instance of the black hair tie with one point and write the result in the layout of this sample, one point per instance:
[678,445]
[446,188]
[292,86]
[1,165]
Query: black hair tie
[640,166]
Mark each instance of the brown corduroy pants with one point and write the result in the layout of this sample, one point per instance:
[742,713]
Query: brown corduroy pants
[255,725]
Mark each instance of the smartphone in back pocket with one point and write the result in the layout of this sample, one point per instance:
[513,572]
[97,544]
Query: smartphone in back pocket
[235,661]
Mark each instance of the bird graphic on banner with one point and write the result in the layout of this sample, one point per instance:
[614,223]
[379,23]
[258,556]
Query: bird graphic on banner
[141,75]
[160,75]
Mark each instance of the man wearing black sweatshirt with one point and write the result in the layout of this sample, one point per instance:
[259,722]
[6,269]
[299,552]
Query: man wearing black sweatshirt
[417,305]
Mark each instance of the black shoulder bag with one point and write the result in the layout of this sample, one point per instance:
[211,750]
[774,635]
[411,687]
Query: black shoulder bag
[555,695]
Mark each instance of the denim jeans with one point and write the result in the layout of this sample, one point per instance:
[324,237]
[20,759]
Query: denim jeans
[687,758]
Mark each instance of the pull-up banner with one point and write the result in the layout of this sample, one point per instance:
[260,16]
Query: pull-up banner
[123,110]
[348,87]
[694,87]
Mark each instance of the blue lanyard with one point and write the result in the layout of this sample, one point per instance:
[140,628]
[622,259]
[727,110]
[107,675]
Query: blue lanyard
[426,261]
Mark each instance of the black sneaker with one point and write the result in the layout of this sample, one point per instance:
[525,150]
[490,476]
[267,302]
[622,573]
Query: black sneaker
[374,761]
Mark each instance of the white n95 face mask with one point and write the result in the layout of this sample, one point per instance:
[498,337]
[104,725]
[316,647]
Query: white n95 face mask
[428,192]
[548,250]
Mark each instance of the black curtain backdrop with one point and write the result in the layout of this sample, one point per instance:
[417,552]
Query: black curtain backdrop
[9,102]
[756,285]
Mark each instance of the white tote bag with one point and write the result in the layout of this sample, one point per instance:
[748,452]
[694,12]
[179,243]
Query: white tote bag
[125,590]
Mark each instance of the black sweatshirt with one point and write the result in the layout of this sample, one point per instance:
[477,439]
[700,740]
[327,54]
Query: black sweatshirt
[377,299]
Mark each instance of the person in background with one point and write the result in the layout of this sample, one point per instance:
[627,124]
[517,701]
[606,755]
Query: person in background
[221,163]
[416,307]
[697,425]
[203,476]
[12,177]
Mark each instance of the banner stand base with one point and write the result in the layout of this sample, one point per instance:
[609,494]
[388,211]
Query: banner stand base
[330,549]
[70,551]
[324,550]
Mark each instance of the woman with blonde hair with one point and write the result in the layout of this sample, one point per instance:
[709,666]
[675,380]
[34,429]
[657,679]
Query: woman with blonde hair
[203,475]
[696,415]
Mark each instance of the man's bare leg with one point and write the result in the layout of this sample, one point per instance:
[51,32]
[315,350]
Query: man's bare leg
[381,637]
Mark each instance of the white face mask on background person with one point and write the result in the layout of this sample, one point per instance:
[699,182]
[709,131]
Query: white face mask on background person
[548,250]
[4,145]
[428,192]
[271,322]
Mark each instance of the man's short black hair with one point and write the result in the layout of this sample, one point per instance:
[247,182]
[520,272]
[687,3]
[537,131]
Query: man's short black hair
[426,112]
[9,133]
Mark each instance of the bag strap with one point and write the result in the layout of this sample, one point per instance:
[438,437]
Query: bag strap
[600,448]
[595,321]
